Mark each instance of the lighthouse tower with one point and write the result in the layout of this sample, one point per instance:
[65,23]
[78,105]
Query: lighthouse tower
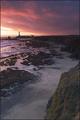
[19,34]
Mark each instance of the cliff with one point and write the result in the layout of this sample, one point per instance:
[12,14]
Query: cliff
[65,103]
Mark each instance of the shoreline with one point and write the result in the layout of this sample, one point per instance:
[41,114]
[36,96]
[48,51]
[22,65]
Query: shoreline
[33,97]
[39,92]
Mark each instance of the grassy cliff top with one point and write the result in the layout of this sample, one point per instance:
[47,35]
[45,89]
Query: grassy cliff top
[64,104]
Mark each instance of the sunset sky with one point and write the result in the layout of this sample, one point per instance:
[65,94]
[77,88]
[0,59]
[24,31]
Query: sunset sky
[39,17]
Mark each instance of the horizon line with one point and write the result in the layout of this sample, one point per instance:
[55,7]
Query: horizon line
[41,35]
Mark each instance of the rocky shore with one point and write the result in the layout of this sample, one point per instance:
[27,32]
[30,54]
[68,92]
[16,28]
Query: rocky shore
[65,102]
[11,77]
[23,97]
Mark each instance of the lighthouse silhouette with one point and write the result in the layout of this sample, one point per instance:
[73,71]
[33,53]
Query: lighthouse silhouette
[19,34]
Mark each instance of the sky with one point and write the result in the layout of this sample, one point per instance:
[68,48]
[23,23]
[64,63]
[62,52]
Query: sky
[39,17]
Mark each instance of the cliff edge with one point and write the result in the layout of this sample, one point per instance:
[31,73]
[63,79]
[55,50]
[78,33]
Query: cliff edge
[65,102]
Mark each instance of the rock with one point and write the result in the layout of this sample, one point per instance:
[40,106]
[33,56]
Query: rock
[9,61]
[40,59]
[64,104]
[25,62]
[10,76]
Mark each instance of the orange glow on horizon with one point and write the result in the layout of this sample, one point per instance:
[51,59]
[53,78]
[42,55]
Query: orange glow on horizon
[5,31]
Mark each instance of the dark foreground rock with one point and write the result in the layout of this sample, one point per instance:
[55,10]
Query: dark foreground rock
[40,59]
[65,103]
[9,61]
[9,76]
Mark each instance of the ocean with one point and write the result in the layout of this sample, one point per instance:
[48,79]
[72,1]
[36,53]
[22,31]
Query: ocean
[11,47]
[30,101]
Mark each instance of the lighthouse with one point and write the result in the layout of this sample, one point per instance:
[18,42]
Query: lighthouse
[19,34]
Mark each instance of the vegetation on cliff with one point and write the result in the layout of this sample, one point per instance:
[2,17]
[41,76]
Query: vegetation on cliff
[64,104]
